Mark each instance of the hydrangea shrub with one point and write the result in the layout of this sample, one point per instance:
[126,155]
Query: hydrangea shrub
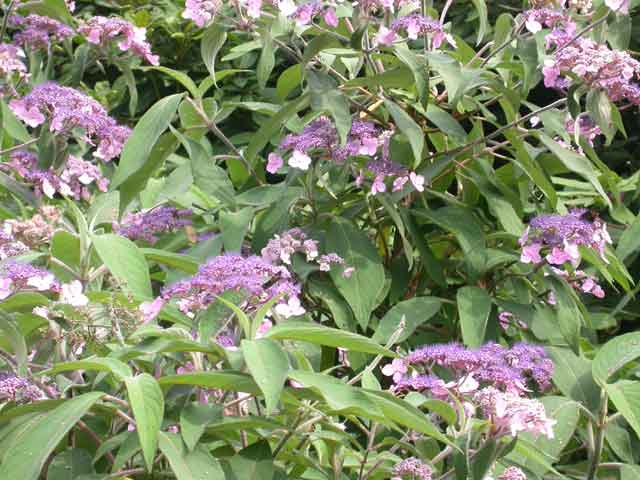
[290,239]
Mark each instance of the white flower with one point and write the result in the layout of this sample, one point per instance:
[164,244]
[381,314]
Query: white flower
[42,283]
[71,294]
[291,308]
[299,160]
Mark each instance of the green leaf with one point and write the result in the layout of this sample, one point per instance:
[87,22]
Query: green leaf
[625,395]
[340,397]
[467,230]
[629,242]
[253,462]
[52,8]
[146,133]
[223,380]
[483,459]
[175,260]
[234,227]
[269,366]
[614,355]
[136,182]
[408,127]
[474,307]
[16,339]
[321,335]
[418,69]
[193,420]
[572,375]
[415,312]
[30,448]
[403,413]
[70,464]
[267,61]
[446,123]
[327,293]
[212,179]
[288,81]
[180,77]
[125,261]
[361,290]
[196,465]
[147,404]
[576,163]
[483,16]
[212,41]
[101,364]
[319,43]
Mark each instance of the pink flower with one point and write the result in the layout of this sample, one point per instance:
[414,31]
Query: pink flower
[417,181]
[557,256]
[264,327]
[396,369]
[253,7]
[369,146]
[287,7]
[385,36]
[29,115]
[398,183]
[150,310]
[621,6]
[378,185]
[331,18]
[531,253]
[347,272]
[274,163]
[5,287]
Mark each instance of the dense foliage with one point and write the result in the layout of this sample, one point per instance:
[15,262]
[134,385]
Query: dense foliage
[291,239]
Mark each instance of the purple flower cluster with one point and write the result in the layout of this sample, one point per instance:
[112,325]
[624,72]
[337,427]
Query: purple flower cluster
[200,11]
[102,30]
[512,473]
[511,413]
[254,276]
[413,468]
[558,237]
[73,181]
[364,138]
[511,369]
[598,66]
[416,25]
[37,32]
[303,15]
[585,127]
[11,60]
[68,109]
[10,246]
[537,18]
[16,277]
[18,389]
[146,225]
[282,247]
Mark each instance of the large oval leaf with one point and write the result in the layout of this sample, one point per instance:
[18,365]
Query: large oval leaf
[147,403]
[268,365]
[125,262]
[31,447]
[331,337]
[614,354]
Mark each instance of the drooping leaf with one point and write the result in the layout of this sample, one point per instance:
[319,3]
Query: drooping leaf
[147,403]
[269,365]
[31,447]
